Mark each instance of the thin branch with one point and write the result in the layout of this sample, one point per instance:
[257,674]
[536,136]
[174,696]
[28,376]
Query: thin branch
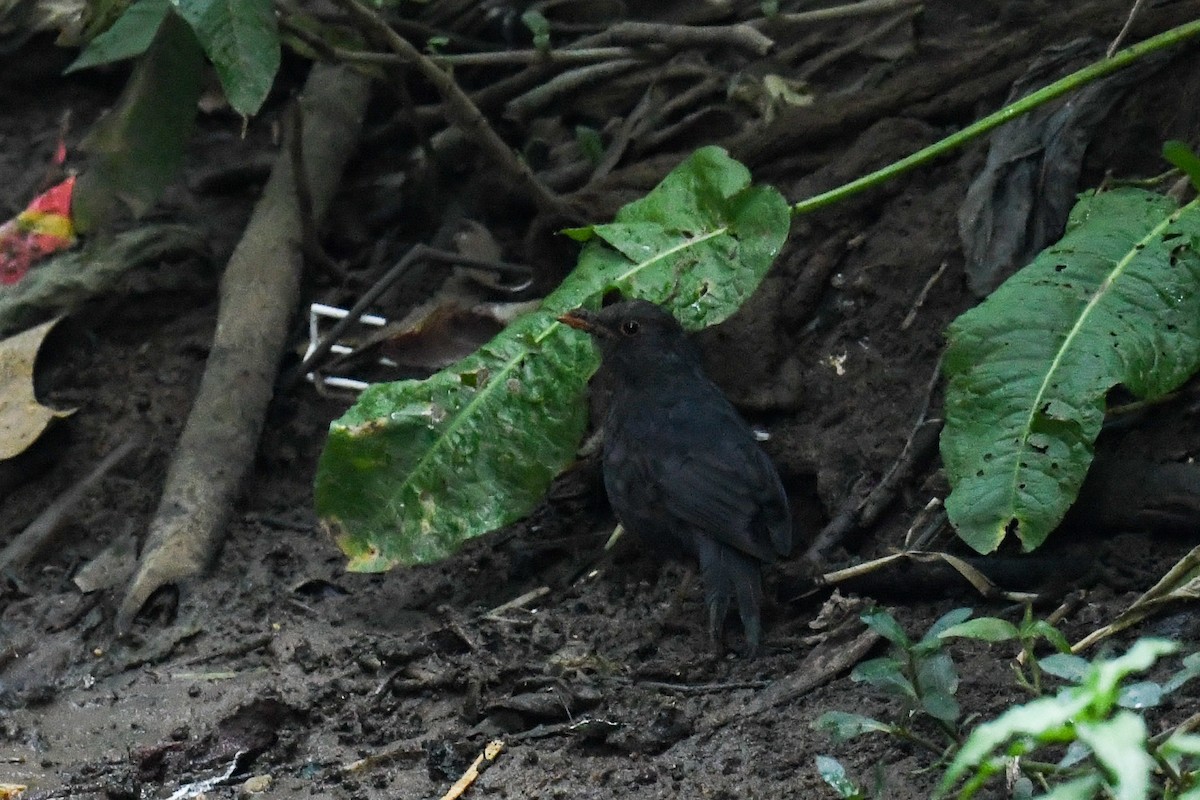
[568,83]
[835,54]
[921,440]
[463,111]
[864,9]
[1133,12]
[741,36]
[39,533]
[498,57]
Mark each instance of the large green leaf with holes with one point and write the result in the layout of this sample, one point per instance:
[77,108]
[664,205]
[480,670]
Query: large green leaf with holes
[417,467]
[1115,301]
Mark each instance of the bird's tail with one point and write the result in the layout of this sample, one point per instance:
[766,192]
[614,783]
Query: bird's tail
[730,574]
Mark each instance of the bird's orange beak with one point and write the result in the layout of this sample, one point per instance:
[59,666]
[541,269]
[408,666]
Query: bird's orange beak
[581,319]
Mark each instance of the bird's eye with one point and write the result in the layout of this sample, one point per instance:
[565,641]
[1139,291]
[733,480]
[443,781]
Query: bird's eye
[629,327]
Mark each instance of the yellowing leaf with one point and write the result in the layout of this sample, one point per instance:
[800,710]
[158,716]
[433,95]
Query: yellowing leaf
[22,417]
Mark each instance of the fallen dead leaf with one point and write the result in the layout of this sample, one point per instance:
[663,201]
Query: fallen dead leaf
[22,417]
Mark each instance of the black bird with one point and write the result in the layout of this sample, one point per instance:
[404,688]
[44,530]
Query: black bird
[682,469]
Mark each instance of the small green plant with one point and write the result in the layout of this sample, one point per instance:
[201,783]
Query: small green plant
[1109,752]
[921,675]
[1027,633]
[1088,740]
[834,774]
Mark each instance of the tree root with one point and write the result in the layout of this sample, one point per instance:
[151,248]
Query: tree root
[259,294]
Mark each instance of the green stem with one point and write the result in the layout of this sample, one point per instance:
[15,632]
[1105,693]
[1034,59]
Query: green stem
[1119,60]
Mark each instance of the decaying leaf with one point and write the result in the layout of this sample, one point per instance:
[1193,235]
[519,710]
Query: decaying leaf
[1020,200]
[22,417]
[1181,584]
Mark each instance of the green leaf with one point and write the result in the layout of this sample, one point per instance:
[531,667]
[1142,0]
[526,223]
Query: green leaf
[1179,154]
[590,142]
[1066,666]
[129,36]
[1048,632]
[882,622]
[1182,743]
[1116,301]
[1191,668]
[1085,788]
[985,629]
[136,148]
[241,38]
[932,637]
[417,467]
[1119,744]
[885,674]
[834,774]
[937,681]
[1143,694]
[843,726]
[1040,717]
[539,26]
[68,280]
[1104,678]
[941,706]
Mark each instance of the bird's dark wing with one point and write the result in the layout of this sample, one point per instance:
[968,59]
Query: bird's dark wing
[700,468]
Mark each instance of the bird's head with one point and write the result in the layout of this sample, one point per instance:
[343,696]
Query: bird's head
[627,323]
[634,334]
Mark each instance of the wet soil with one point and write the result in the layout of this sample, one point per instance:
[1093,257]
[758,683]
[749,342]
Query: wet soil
[278,663]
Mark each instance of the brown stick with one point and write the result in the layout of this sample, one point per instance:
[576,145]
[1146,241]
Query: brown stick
[259,294]
[38,534]
[741,36]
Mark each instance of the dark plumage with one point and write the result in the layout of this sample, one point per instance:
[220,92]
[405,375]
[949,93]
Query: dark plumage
[682,469]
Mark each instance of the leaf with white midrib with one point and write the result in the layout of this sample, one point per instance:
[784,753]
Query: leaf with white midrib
[417,467]
[1116,301]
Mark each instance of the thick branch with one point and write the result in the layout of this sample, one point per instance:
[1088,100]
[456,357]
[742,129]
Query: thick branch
[259,294]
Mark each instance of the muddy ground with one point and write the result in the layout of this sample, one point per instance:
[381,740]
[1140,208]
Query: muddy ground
[605,685]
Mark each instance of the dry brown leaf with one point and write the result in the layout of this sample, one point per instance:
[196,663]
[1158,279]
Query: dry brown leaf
[1181,584]
[11,791]
[22,417]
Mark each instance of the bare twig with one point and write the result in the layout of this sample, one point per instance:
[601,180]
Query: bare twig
[228,653]
[918,443]
[1133,12]
[865,8]
[980,582]
[489,754]
[404,749]
[39,533]
[835,54]
[517,602]
[678,103]
[463,111]
[911,316]
[741,36]
[629,128]
[496,58]
[568,83]
[702,688]
[920,531]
